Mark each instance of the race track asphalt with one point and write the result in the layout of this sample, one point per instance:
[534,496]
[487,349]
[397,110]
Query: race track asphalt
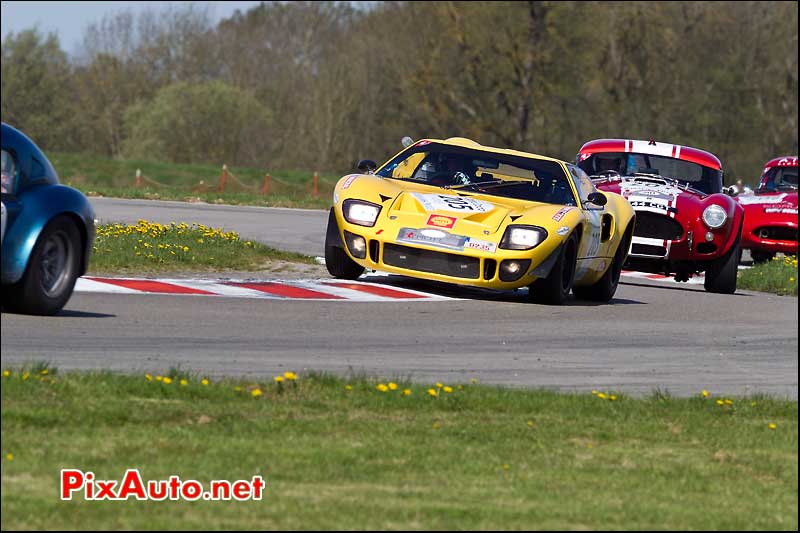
[653,336]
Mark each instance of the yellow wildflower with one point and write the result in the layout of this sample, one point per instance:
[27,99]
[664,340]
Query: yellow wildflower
[448,390]
[9,457]
[159,378]
[530,423]
[720,402]
[148,377]
[728,402]
[406,392]
[432,392]
[256,393]
[474,381]
[601,395]
[279,379]
[773,426]
[348,387]
[439,385]
[6,373]
[237,389]
[204,382]
[612,398]
[184,382]
[381,387]
[44,372]
[167,381]
[291,376]
[705,393]
[594,392]
[25,376]
[392,386]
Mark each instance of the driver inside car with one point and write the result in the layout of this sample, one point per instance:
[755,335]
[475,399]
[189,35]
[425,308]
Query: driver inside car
[608,163]
[451,170]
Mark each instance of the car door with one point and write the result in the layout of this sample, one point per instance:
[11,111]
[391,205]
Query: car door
[596,242]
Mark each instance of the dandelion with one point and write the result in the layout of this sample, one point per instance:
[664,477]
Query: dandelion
[159,378]
[612,398]
[381,387]
[448,390]
[279,379]
[530,423]
[720,402]
[460,387]
[167,381]
[392,386]
[439,385]
[474,381]
[754,404]
[237,389]
[25,376]
[705,393]
[432,392]
[184,383]
[185,248]
[348,387]
[406,392]
[44,372]
[436,425]
[9,457]
[256,393]
[773,426]
[728,402]
[601,395]
[594,392]
[506,467]
[148,377]
[204,381]
[6,373]
[291,376]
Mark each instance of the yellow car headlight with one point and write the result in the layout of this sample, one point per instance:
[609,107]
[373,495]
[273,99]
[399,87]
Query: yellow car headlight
[518,237]
[360,212]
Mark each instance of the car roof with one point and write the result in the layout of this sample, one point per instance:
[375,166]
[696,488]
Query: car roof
[469,143]
[685,153]
[783,161]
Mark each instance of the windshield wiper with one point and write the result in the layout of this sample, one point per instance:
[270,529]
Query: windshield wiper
[473,184]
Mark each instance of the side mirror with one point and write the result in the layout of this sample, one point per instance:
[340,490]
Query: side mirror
[597,198]
[366,166]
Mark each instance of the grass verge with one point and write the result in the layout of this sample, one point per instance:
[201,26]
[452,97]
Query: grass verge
[148,247]
[98,176]
[778,276]
[349,454]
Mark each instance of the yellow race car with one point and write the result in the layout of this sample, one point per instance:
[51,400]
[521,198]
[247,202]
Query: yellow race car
[459,212]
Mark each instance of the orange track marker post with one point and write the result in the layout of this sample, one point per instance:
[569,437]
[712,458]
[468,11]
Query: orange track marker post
[265,187]
[138,178]
[315,186]
[222,176]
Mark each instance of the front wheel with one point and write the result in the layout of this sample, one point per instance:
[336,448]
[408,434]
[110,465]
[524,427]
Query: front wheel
[555,288]
[52,270]
[721,275]
[337,261]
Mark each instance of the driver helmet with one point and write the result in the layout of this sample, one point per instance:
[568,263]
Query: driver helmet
[427,170]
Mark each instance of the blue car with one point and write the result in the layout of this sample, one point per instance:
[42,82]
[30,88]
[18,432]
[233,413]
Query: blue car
[47,230]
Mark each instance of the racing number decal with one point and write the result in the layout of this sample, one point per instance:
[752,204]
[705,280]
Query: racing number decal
[453,202]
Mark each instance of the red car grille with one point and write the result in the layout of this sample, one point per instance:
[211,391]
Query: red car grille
[655,226]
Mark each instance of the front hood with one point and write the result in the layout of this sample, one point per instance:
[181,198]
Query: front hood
[653,193]
[444,208]
[769,202]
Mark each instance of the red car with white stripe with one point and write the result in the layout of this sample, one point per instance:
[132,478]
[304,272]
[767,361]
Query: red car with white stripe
[684,223]
[770,214]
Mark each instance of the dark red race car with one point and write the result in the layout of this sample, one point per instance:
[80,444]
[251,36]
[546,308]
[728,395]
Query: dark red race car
[770,214]
[684,223]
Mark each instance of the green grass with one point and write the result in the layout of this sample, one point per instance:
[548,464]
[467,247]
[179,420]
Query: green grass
[778,276]
[478,458]
[148,247]
[167,181]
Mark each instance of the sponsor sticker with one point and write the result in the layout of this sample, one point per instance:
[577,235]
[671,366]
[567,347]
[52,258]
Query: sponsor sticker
[787,162]
[349,181]
[561,213]
[483,246]
[441,221]
[563,230]
[761,199]
[783,210]
[446,202]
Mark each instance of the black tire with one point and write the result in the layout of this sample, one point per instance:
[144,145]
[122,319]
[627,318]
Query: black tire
[337,261]
[555,288]
[761,257]
[51,273]
[722,274]
[605,288]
